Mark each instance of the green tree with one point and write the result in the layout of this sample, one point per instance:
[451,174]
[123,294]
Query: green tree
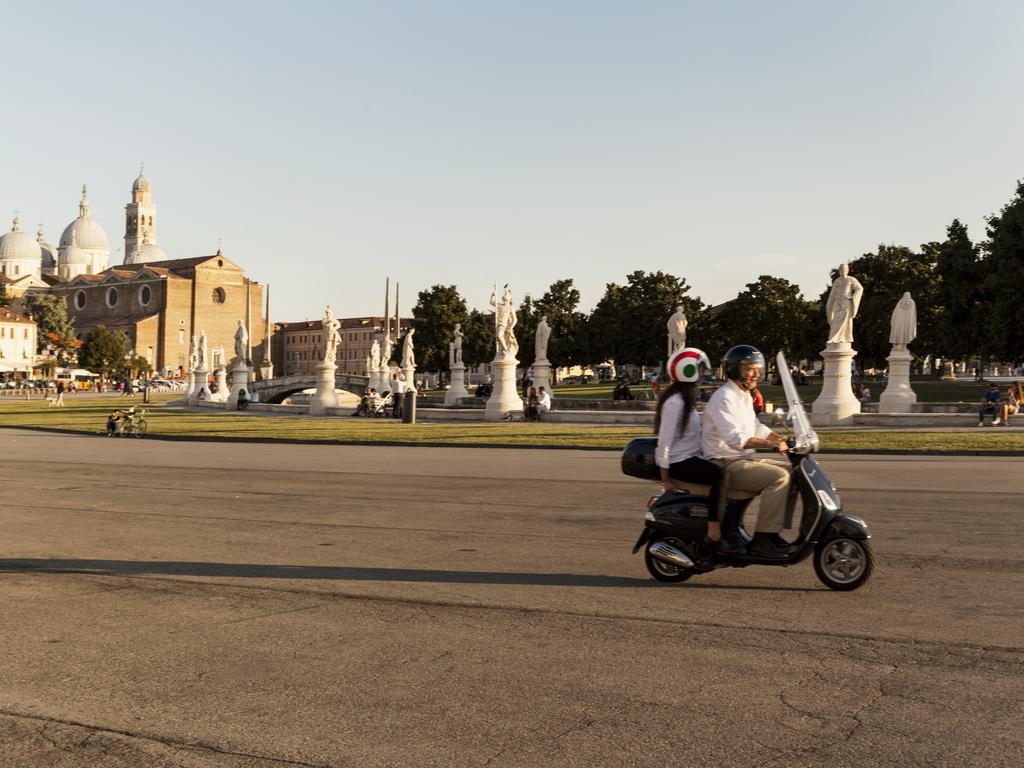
[772,315]
[54,327]
[567,344]
[628,324]
[478,338]
[959,295]
[527,318]
[142,366]
[436,312]
[1001,327]
[103,351]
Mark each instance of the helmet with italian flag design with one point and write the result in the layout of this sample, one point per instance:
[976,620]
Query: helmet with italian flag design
[687,364]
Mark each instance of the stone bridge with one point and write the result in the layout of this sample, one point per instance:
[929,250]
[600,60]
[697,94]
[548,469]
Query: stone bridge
[277,389]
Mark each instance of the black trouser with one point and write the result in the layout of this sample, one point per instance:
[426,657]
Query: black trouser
[701,472]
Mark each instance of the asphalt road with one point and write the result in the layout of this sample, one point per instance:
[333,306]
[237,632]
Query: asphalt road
[228,605]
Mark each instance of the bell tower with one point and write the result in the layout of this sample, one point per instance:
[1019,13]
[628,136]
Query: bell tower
[139,218]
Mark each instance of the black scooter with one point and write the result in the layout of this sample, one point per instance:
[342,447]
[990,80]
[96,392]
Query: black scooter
[675,524]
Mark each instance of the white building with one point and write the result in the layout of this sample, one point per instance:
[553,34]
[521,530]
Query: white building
[20,254]
[17,342]
[84,248]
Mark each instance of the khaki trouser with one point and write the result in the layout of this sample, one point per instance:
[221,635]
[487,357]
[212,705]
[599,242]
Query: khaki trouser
[769,478]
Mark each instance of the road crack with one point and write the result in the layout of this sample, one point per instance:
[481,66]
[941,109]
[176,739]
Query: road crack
[197,745]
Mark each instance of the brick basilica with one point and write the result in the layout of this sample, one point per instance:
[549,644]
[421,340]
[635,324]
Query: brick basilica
[160,303]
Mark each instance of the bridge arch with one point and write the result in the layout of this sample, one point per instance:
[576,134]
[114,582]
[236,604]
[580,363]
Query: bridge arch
[279,388]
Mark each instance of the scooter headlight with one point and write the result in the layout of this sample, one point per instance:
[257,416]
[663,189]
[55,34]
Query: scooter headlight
[827,500]
[649,516]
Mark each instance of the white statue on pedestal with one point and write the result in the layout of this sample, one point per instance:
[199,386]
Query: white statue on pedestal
[455,347]
[541,339]
[374,356]
[385,353]
[898,396]
[408,358]
[842,306]
[677,330]
[505,320]
[201,355]
[193,357]
[242,344]
[903,328]
[332,337]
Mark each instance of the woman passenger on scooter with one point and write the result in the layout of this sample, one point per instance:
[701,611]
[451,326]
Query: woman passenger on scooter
[677,423]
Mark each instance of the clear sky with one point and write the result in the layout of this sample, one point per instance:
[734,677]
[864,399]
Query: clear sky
[332,143]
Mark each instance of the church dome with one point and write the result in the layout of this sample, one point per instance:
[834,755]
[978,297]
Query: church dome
[18,245]
[73,254]
[147,252]
[89,235]
[49,253]
[141,184]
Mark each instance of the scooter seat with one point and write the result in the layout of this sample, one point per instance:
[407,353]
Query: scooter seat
[704,490]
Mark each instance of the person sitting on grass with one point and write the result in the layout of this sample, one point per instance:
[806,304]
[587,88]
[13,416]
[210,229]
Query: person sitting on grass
[621,393]
[531,412]
[114,423]
[990,404]
[543,400]
[1010,405]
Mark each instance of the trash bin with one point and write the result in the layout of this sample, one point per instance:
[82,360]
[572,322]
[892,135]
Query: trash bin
[409,407]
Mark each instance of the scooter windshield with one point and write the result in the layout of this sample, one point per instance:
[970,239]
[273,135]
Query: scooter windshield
[805,437]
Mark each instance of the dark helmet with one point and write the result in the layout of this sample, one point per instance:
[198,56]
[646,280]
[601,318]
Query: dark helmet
[742,354]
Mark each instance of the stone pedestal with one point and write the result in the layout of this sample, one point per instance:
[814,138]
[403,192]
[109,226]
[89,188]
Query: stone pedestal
[241,378]
[898,397]
[200,387]
[504,399]
[947,372]
[410,376]
[542,376]
[325,396]
[191,387]
[457,389]
[221,377]
[836,404]
[383,377]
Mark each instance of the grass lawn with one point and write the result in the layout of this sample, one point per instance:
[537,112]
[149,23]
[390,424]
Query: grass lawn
[89,415]
[928,391]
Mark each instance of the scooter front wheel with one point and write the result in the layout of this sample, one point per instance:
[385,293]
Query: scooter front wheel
[844,564]
[659,569]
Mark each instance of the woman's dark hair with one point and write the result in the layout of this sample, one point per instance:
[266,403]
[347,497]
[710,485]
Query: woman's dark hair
[688,390]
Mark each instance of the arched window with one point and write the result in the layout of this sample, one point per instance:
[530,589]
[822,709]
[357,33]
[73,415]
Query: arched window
[80,300]
[111,297]
[219,296]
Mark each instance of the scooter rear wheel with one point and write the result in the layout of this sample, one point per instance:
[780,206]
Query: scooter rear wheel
[844,564]
[662,571]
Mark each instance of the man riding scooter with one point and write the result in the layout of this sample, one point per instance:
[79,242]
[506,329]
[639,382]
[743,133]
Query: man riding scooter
[731,433]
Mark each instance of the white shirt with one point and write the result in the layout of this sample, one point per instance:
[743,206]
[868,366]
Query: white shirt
[544,401]
[399,387]
[672,446]
[729,421]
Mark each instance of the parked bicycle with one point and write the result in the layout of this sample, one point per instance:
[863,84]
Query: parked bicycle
[134,424]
